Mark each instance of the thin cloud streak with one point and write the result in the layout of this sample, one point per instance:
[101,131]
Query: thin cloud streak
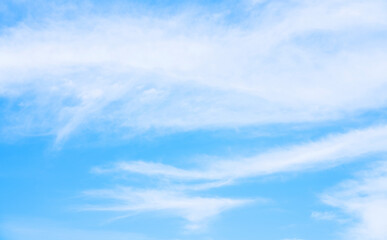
[196,210]
[327,152]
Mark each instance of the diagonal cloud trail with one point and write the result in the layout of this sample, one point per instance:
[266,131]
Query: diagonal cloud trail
[329,151]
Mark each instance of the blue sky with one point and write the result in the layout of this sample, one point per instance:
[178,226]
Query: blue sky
[180,120]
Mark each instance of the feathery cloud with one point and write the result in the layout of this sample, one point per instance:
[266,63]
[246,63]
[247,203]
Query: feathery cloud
[196,210]
[282,62]
[326,152]
[365,200]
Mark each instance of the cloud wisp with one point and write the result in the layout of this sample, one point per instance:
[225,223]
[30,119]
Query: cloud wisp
[326,152]
[196,210]
[364,199]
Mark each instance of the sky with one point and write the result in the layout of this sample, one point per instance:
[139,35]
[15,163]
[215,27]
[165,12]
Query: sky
[193,120]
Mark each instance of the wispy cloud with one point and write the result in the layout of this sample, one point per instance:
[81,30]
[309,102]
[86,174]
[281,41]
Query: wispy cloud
[326,152]
[282,62]
[277,62]
[196,210]
[365,200]
[327,216]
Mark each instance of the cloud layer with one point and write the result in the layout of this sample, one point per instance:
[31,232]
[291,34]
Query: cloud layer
[282,62]
[260,62]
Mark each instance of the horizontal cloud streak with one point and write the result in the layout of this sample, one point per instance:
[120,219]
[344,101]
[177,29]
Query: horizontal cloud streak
[329,151]
[196,210]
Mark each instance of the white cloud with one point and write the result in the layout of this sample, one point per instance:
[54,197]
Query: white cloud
[326,152]
[326,216]
[365,200]
[295,61]
[192,70]
[196,210]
